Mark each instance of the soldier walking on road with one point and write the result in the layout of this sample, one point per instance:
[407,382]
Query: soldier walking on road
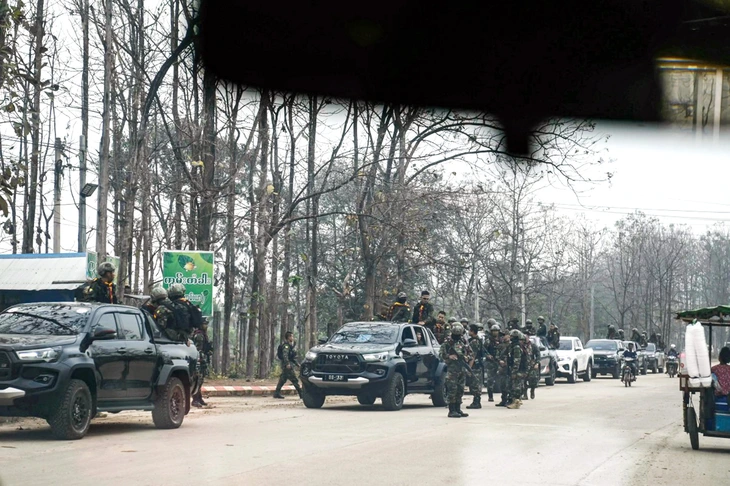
[477,366]
[517,362]
[491,359]
[205,350]
[533,374]
[503,374]
[454,352]
[288,357]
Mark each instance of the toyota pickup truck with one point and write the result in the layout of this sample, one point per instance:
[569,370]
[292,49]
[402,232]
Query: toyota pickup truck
[66,361]
[372,360]
[574,360]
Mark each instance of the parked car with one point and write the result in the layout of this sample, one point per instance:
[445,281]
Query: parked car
[548,360]
[655,358]
[641,363]
[373,360]
[66,361]
[607,356]
[574,360]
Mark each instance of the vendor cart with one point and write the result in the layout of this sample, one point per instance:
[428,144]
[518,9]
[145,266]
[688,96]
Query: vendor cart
[702,413]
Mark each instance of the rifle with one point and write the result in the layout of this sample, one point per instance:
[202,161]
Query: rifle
[461,361]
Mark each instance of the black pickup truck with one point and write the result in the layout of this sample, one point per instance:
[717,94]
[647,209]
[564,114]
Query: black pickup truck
[66,361]
[373,360]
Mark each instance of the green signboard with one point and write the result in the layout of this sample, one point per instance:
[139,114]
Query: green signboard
[194,269]
[92,264]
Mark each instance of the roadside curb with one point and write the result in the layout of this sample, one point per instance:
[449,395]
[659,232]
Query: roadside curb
[244,391]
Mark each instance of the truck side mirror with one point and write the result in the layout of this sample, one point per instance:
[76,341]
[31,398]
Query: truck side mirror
[321,340]
[409,343]
[101,334]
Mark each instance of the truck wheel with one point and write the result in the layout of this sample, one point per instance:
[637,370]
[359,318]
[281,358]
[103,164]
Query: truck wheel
[72,417]
[395,392]
[365,399]
[550,380]
[573,377]
[438,397]
[313,398]
[694,436]
[589,372]
[661,369]
[169,410]
[644,369]
[654,369]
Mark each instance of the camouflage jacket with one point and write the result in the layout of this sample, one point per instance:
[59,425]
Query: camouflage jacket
[288,354]
[100,291]
[399,312]
[517,360]
[423,313]
[449,347]
[478,353]
[163,315]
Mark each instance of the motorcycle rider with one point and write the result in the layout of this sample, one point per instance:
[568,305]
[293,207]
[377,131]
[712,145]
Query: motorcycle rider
[631,354]
[672,353]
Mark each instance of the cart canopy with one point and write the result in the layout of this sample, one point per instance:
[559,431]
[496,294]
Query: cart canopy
[714,315]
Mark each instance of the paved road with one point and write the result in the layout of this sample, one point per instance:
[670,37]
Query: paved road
[596,433]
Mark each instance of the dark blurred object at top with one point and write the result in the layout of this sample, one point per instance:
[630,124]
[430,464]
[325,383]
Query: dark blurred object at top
[521,61]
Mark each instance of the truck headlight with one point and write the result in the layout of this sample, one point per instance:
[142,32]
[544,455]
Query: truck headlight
[43,354]
[311,355]
[376,356]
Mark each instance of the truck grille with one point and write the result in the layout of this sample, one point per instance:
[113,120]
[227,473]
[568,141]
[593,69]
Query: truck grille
[337,363]
[5,366]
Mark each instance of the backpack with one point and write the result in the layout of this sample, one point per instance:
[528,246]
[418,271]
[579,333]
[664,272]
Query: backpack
[280,351]
[83,292]
[181,315]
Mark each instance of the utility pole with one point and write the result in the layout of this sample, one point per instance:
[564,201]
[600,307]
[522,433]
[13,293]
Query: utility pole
[58,149]
[84,126]
[476,288]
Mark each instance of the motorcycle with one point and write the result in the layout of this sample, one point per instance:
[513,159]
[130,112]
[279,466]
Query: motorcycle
[627,374]
[672,363]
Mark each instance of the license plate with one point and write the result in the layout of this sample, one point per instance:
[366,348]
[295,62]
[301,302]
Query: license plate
[335,378]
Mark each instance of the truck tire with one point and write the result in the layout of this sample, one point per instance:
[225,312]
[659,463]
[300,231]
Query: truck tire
[589,372]
[654,369]
[395,392]
[365,399]
[573,376]
[616,372]
[438,397]
[312,398]
[644,369]
[661,369]
[72,416]
[170,405]
[550,379]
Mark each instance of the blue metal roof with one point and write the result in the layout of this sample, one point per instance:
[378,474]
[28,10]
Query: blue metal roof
[31,256]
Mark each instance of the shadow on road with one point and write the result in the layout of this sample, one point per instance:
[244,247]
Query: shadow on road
[97,429]
[375,408]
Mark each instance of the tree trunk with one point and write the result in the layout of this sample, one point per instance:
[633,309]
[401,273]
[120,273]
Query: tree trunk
[32,194]
[311,326]
[262,240]
[206,219]
[101,204]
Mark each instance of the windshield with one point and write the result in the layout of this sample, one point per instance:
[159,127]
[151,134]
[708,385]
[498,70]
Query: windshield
[366,333]
[44,320]
[565,345]
[602,345]
[650,347]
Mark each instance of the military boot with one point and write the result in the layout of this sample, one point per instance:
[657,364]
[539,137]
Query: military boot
[524,395]
[458,410]
[476,403]
[532,393]
[515,404]
[277,394]
[491,396]
[453,413]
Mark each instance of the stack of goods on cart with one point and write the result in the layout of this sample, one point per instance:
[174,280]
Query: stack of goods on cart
[697,359]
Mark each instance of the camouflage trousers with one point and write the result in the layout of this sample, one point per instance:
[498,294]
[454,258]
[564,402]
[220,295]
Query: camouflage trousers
[290,375]
[175,335]
[533,378]
[517,385]
[504,381]
[491,371]
[475,383]
[455,381]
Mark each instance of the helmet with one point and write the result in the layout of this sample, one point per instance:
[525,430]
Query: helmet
[610,326]
[528,321]
[495,327]
[479,325]
[176,291]
[158,293]
[634,330]
[620,330]
[540,318]
[515,333]
[464,320]
[105,268]
[491,322]
[452,320]
[673,346]
[457,329]
[402,295]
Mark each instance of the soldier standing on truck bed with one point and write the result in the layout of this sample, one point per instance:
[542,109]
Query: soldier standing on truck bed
[188,317]
[101,289]
[400,311]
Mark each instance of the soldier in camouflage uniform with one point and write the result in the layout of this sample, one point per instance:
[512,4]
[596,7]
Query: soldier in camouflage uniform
[160,307]
[184,310]
[517,362]
[400,311]
[439,330]
[452,351]
[491,357]
[503,373]
[205,350]
[529,329]
[533,373]
[102,289]
[288,357]
[477,366]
